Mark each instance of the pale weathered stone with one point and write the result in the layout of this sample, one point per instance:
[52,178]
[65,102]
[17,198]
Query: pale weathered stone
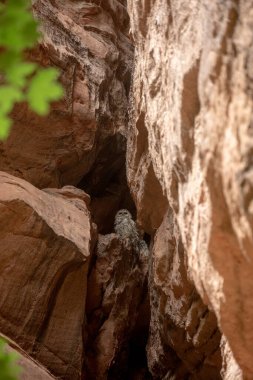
[182,329]
[45,240]
[230,369]
[192,88]
[189,168]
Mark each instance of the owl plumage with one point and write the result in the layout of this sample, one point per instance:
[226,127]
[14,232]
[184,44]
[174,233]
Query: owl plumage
[125,227]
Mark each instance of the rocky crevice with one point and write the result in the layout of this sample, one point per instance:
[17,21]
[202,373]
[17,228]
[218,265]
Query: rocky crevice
[116,294]
[125,240]
[107,184]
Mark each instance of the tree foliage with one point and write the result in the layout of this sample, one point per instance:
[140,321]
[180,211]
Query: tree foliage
[21,80]
[9,370]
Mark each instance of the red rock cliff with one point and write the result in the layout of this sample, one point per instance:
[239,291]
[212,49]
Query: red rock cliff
[126,224]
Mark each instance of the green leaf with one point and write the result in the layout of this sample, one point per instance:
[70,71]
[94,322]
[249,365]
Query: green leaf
[18,32]
[44,89]
[9,95]
[9,370]
[9,58]
[5,125]
[16,74]
[18,28]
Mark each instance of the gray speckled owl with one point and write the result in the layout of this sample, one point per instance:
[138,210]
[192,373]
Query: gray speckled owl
[125,227]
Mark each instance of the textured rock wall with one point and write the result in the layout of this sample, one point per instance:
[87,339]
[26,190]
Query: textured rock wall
[47,237]
[184,340]
[89,45]
[46,243]
[83,296]
[192,105]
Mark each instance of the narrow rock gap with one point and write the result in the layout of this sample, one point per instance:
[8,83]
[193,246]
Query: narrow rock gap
[137,363]
[106,184]
[118,314]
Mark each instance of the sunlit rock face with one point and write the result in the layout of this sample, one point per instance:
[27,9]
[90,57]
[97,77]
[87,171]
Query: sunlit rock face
[184,339]
[46,242]
[88,42]
[192,92]
[165,133]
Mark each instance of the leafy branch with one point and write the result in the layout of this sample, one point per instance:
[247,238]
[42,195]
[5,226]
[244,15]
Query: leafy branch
[21,80]
[9,370]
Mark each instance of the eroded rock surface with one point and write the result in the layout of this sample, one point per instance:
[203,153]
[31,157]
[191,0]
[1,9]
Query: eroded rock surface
[184,340]
[192,91]
[46,243]
[85,307]
[87,41]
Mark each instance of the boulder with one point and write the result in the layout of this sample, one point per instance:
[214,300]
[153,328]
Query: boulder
[46,239]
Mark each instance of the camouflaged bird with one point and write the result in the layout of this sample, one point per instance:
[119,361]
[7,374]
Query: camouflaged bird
[126,229]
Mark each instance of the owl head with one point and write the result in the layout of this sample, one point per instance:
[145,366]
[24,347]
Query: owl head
[121,215]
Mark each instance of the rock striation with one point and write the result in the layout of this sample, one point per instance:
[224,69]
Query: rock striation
[184,339]
[89,44]
[46,242]
[192,104]
[126,224]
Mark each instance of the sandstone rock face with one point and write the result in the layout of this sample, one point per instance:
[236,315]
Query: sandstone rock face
[230,368]
[88,42]
[82,300]
[45,240]
[184,339]
[192,91]
[143,181]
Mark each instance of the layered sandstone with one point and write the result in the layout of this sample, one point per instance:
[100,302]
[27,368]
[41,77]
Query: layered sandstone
[192,104]
[46,244]
[184,340]
[167,297]
[89,44]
